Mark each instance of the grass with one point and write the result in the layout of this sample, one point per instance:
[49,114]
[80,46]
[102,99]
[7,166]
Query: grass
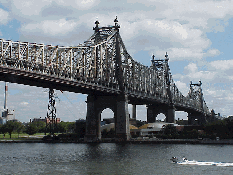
[22,136]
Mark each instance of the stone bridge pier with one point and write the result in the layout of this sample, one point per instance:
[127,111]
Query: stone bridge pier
[154,110]
[95,105]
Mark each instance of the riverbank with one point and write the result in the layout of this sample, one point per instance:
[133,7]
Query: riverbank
[149,141]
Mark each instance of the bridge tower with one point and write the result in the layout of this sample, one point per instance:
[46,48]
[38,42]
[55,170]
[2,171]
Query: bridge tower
[118,103]
[197,95]
[167,109]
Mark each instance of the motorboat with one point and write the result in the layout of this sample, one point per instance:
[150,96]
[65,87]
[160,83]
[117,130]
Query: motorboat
[185,161]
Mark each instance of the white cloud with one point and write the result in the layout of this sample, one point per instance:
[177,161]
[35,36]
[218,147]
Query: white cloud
[24,103]
[191,68]
[179,28]
[29,8]
[212,52]
[51,27]
[4,16]
[222,64]
[33,9]
[193,74]
[183,88]
[79,4]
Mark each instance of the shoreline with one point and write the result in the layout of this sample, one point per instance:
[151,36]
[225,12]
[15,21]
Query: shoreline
[158,141]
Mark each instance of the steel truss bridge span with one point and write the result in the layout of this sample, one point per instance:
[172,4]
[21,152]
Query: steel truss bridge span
[102,66]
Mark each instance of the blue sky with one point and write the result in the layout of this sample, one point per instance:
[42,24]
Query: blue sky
[196,34]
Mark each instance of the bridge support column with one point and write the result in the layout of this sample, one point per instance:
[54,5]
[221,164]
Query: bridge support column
[151,114]
[122,119]
[192,119]
[196,119]
[202,120]
[95,105]
[134,112]
[170,118]
[93,132]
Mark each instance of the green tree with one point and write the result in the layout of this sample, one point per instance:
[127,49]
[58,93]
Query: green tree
[220,128]
[80,128]
[31,129]
[3,130]
[20,128]
[71,127]
[11,126]
[139,123]
[170,131]
[40,125]
[62,127]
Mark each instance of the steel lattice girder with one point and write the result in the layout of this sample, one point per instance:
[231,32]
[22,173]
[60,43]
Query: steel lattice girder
[95,62]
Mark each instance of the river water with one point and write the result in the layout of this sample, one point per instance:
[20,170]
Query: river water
[110,158]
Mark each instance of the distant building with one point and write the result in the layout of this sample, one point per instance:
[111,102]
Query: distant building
[182,122]
[230,117]
[47,120]
[14,120]
[39,119]
[112,120]
[152,128]
[108,120]
[2,120]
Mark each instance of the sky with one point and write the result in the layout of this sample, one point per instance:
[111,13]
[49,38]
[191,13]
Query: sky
[197,34]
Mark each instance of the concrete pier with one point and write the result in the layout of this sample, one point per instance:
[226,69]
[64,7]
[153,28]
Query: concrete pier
[154,110]
[134,112]
[95,106]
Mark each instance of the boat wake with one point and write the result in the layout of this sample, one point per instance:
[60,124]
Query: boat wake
[184,161]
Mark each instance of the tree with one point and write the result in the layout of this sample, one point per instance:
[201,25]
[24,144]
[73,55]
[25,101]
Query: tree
[62,127]
[71,127]
[40,125]
[218,128]
[19,128]
[31,129]
[3,130]
[170,131]
[139,123]
[80,128]
[11,126]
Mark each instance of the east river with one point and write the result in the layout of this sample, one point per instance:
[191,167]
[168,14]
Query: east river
[110,158]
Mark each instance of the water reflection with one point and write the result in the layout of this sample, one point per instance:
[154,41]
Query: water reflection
[108,158]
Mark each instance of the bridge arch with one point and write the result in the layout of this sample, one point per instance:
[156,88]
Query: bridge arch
[107,113]
[154,110]
[107,123]
[96,105]
[161,116]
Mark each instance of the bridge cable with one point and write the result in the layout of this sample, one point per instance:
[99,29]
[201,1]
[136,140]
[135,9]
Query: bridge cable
[71,104]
